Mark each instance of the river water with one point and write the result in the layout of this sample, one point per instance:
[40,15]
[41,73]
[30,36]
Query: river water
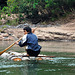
[62,64]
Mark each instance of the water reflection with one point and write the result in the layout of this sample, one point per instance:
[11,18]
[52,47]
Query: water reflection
[30,68]
[19,68]
[51,46]
[57,66]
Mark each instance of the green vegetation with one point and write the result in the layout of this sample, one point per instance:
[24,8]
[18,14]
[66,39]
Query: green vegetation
[12,22]
[41,10]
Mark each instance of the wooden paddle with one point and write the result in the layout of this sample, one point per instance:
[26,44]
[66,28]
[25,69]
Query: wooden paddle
[9,46]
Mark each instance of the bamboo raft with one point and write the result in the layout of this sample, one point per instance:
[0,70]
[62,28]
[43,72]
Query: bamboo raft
[16,56]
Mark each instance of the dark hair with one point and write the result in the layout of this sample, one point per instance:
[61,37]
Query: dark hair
[28,29]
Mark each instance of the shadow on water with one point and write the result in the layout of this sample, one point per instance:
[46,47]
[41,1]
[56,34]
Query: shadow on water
[60,65]
[57,66]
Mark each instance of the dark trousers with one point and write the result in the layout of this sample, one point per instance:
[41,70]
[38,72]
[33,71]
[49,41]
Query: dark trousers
[33,53]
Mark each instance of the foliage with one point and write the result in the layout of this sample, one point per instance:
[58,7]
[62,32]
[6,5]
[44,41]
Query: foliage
[4,27]
[12,22]
[50,9]
[9,14]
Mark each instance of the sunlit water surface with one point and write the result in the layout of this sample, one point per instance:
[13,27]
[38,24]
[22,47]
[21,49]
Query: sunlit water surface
[60,65]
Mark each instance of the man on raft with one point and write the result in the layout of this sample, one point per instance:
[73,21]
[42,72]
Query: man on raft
[30,40]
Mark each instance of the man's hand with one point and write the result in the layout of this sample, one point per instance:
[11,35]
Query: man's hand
[16,42]
[33,30]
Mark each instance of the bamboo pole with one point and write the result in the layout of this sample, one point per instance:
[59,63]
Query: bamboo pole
[9,47]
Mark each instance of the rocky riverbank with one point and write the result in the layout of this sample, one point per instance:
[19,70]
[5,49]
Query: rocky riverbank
[47,33]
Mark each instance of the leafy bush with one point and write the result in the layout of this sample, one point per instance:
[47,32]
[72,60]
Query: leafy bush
[4,27]
[12,22]
[9,14]
[47,8]
[27,6]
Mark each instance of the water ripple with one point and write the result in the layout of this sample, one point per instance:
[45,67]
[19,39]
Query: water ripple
[72,64]
[9,66]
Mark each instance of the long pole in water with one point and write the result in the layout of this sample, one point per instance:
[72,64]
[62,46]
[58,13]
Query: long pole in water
[9,47]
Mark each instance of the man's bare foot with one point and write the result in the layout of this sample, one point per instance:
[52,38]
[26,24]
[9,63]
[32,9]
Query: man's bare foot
[27,55]
[39,59]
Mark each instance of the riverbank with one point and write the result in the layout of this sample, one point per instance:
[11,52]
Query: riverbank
[63,32]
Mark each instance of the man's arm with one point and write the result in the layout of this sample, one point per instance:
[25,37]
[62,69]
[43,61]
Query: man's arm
[33,30]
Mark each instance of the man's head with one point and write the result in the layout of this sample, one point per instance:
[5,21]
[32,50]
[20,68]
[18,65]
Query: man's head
[27,30]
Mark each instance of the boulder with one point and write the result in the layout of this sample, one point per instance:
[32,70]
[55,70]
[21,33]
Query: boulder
[1,36]
[5,34]
[1,39]
[10,38]
[19,36]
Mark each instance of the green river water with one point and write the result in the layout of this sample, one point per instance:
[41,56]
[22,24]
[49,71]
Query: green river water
[62,64]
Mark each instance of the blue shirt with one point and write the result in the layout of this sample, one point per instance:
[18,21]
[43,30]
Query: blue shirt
[31,41]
